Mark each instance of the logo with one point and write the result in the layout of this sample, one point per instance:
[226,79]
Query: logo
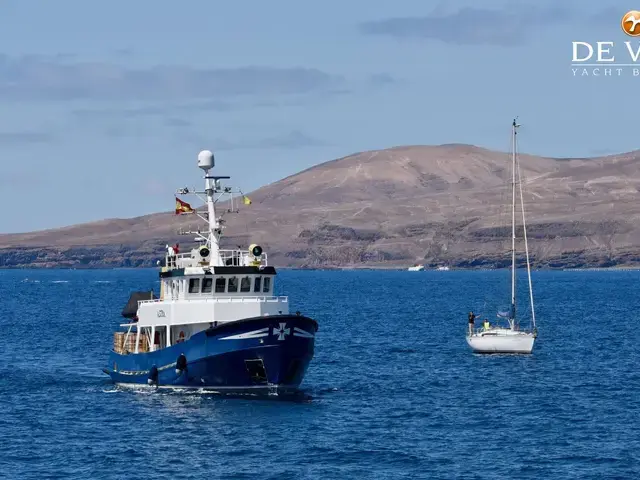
[615,56]
[281,331]
[161,313]
[631,23]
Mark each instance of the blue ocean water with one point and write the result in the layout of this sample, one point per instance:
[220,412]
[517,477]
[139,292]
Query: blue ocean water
[393,390]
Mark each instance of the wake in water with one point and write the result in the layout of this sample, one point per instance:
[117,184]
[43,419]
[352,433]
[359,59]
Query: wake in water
[296,396]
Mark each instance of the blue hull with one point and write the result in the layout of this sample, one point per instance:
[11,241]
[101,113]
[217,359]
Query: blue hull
[262,353]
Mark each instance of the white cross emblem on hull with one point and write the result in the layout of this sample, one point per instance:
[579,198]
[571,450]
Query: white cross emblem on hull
[281,331]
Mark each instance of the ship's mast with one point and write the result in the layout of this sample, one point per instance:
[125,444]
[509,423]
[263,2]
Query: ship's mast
[513,225]
[214,240]
[206,162]
[214,191]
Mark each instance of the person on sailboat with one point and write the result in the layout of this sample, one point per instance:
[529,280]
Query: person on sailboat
[486,324]
[472,319]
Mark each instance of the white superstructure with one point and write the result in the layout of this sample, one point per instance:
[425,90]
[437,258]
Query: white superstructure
[205,286]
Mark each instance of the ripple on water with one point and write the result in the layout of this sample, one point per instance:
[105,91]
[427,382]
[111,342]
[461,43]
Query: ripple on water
[393,391]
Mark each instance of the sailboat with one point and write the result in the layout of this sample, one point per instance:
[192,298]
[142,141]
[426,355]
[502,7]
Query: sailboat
[511,338]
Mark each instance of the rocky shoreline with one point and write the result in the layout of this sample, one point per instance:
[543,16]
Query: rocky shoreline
[109,256]
[390,209]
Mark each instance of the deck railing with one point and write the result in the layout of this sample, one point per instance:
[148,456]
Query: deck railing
[506,327]
[228,257]
[258,299]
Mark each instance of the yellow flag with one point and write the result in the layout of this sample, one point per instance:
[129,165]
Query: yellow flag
[246,200]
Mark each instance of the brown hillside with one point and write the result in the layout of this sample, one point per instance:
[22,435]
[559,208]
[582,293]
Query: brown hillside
[431,204]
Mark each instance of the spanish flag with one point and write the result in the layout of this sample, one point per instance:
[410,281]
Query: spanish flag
[246,200]
[182,207]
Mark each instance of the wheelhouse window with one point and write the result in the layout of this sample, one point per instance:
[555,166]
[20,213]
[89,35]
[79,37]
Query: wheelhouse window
[266,286]
[257,283]
[245,284]
[207,285]
[221,284]
[194,285]
[233,284]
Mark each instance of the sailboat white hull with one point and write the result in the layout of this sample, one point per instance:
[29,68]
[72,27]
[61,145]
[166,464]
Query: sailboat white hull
[501,340]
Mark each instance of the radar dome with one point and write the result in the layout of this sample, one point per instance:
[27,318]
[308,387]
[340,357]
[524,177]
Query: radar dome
[206,160]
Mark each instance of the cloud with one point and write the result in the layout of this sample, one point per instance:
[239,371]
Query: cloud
[118,131]
[292,140]
[382,79]
[23,138]
[471,25]
[154,187]
[123,52]
[122,122]
[177,122]
[177,108]
[608,16]
[52,78]
[16,180]
[297,100]
[153,110]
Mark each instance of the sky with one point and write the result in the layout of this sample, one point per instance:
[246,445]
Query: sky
[105,105]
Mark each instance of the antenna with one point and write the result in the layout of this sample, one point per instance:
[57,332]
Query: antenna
[206,160]
[213,191]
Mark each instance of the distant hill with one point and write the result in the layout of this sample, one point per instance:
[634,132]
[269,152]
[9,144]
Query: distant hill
[446,204]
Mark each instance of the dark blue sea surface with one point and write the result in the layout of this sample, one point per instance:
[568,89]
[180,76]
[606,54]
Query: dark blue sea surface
[393,391]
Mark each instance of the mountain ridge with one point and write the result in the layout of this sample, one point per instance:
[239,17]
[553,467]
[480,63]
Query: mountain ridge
[431,204]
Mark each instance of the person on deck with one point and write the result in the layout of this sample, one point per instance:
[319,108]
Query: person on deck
[486,324]
[176,248]
[472,319]
[171,257]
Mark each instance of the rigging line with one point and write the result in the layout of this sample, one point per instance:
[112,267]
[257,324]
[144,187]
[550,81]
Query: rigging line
[504,204]
[526,245]
[503,224]
[500,226]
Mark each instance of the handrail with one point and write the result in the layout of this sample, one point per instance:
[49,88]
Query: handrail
[258,299]
[237,257]
[501,327]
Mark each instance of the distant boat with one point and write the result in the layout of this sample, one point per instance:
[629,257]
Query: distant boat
[509,339]
[416,268]
[443,269]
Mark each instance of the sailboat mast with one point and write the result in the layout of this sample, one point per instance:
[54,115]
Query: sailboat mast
[513,223]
